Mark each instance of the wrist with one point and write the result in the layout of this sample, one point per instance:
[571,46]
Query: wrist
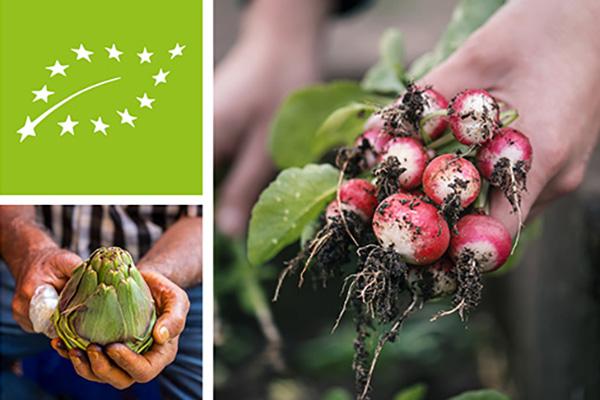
[23,242]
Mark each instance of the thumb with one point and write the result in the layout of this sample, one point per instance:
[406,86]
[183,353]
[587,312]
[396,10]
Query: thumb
[172,305]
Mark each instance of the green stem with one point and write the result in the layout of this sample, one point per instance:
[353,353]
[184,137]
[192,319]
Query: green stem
[427,118]
[442,141]
[508,117]
[482,202]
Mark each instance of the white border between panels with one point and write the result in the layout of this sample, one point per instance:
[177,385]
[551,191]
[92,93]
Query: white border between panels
[208,210]
[102,199]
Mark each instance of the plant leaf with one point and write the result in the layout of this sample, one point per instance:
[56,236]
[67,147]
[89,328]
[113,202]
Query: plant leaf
[485,394]
[300,116]
[466,18]
[388,74]
[293,200]
[342,126]
[414,392]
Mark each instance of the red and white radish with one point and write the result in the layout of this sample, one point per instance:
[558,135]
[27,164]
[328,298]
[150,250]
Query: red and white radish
[433,281]
[412,228]
[474,117]
[357,196]
[434,103]
[411,156]
[479,244]
[505,162]
[373,143]
[484,239]
[449,178]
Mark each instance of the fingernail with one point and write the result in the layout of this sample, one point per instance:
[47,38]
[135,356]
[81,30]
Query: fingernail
[163,333]
[228,220]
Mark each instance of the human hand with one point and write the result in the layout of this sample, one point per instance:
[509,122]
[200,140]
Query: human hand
[120,367]
[276,54]
[542,59]
[48,265]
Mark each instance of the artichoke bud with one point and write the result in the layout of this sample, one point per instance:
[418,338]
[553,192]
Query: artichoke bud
[105,301]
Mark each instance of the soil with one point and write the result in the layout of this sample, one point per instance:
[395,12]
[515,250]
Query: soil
[468,276]
[387,177]
[511,180]
[402,117]
[353,160]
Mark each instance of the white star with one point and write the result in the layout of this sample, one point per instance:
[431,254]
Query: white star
[145,56]
[99,126]
[145,101]
[82,53]
[67,126]
[57,69]
[177,51]
[113,52]
[42,94]
[126,118]
[161,77]
[26,130]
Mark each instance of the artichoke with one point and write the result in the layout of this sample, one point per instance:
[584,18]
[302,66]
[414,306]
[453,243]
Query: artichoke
[106,300]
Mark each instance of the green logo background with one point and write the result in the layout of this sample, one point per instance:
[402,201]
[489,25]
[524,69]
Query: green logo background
[161,155]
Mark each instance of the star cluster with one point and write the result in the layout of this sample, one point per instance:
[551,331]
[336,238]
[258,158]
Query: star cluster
[99,126]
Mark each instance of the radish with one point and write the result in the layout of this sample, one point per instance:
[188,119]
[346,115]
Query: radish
[330,246]
[365,154]
[412,228]
[453,183]
[402,167]
[372,144]
[485,238]
[474,117]
[505,162]
[407,116]
[480,244]
[433,281]
[357,197]
[434,105]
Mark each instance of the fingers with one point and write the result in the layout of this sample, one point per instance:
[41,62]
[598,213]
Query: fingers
[143,368]
[105,371]
[251,172]
[120,367]
[172,304]
[52,267]
[20,310]
[81,365]
[58,345]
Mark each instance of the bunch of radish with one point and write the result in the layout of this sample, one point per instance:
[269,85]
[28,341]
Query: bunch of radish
[412,204]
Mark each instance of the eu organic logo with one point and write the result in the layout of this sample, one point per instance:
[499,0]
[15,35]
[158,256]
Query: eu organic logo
[100,124]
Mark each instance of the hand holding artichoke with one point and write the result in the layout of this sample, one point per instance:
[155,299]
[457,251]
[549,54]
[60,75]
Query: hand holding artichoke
[106,301]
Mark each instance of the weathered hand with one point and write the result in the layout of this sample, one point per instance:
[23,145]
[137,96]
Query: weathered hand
[51,266]
[120,367]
